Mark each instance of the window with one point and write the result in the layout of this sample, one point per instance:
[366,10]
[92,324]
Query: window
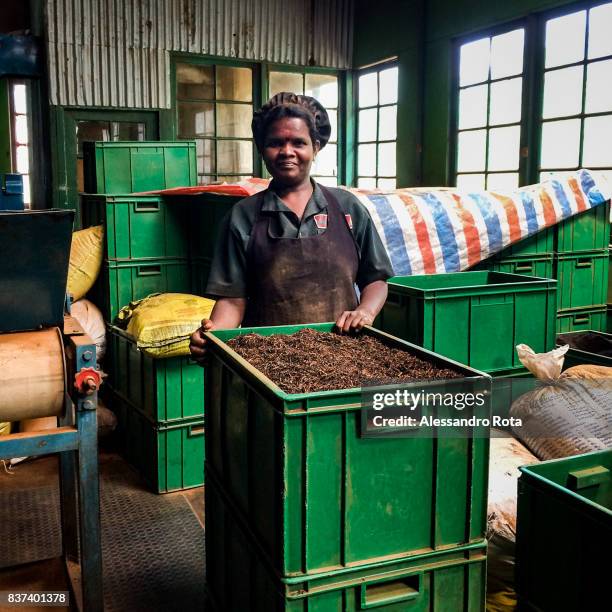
[576,118]
[491,75]
[215,107]
[323,87]
[20,144]
[563,105]
[377,127]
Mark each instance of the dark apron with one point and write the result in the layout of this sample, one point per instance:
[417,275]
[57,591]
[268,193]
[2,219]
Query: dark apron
[301,280]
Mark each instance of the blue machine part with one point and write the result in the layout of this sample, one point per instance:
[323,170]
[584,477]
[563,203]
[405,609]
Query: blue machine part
[11,192]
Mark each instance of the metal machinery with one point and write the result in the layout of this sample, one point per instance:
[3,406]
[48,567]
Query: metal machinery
[48,368]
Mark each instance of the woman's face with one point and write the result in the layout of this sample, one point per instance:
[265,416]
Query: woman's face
[289,151]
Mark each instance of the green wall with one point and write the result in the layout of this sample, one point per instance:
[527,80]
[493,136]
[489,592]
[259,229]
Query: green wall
[386,29]
[421,34]
[5,128]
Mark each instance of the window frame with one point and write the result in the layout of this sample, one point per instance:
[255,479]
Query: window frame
[392,62]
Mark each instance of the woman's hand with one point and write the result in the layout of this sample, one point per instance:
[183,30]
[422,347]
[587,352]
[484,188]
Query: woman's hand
[354,320]
[198,343]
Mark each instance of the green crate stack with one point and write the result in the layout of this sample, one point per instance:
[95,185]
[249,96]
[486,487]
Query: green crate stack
[581,266]
[448,580]
[511,308]
[296,473]
[577,356]
[564,527]
[160,406]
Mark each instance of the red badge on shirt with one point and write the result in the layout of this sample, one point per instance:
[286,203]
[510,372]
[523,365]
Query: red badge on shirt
[349,221]
[321,220]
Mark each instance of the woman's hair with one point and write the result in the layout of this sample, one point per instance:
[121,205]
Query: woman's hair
[287,104]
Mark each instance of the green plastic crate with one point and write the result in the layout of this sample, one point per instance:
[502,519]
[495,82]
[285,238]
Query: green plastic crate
[163,390]
[542,243]
[452,580]
[169,457]
[206,212]
[582,319]
[564,533]
[131,167]
[608,326]
[121,282]
[582,279]
[575,356]
[586,231]
[138,227]
[541,266]
[315,493]
[609,295]
[457,315]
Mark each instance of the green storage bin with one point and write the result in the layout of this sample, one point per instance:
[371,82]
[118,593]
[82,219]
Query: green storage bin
[609,295]
[585,231]
[582,279]
[457,315]
[542,243]
[131,167]
[541,266]
[452,580]
[138,227]
[206,212]
[318,496]
[121,282]
[582,319]
[564,532]
[169,457]
[608,326]
[163,390]
[576,356]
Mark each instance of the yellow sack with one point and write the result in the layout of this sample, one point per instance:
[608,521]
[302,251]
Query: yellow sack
[86,255]
[162,323]
[5,429]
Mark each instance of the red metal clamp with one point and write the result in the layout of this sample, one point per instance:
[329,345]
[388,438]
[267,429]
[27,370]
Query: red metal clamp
[87,380]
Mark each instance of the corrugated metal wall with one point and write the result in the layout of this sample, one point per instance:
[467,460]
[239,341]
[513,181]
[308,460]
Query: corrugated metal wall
[116,53]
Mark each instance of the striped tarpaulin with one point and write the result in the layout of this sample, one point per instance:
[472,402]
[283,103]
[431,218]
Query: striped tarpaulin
[433,230]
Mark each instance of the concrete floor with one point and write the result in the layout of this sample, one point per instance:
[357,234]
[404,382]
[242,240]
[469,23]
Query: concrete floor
[49,574]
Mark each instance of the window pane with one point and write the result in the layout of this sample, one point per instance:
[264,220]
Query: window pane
[21,129]
[598,90]
[19,99]
[195,82]
[366,183]
[330,181]
[333,121]
[470,182]
[504,147]
[600,26]
[507,54]
[326,161]
[368,89]
[560,144]
[234,120]
[474,62]
[234,83]
[23,162]
[323,87]
[597,149]
[471,151]
[366,160]
[506,101]
[195,119]
[387,80]
[565,39]
[286,81]
[386,159]
[506,181]
[367,125]
[205,150]
[386,183]
[563,92]
[234,156]
[473,107]
[387,117]
[26,189]
[125,130]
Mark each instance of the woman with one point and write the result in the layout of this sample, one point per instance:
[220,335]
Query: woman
[294,253]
